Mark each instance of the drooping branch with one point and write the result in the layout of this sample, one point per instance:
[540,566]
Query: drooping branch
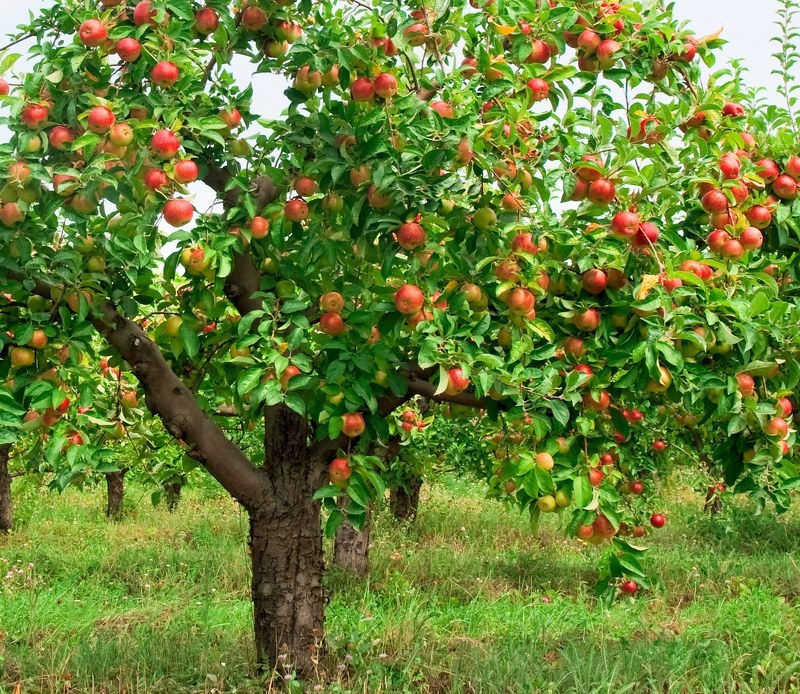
[171,400]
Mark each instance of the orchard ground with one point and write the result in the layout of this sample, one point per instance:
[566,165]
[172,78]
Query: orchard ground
[465,600]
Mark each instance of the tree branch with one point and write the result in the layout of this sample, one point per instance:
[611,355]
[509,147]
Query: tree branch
[169,398]
[244,279]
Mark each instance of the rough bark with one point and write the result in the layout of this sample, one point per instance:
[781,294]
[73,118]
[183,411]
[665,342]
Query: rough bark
[115,493]
[351,546]
[172,493]
[404,499]
[286,548]
[6,510]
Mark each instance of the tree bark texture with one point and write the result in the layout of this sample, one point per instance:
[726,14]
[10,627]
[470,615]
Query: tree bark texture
[404,499]
[286,549]
[6,510]
[351,546]
[115,492]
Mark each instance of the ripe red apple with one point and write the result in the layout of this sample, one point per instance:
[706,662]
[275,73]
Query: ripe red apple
[587,320]
[520,301]
[784,406]
[601,191]
[165,144]
[287,375]
[155,179]
[93,33]
[714,201]
[305,186]
[596,476]
[353,424]
[625,224]
[231,117]
[259,227]
[539,89]
[410,236]
[178,212]
[296,210]
[717,239]
[657,520]
[456,381]
[759,216]
[732,109]
[637,487]
[730,166]
[165,74]
[659,445]
[385,85]
[574,347]
[751,238]
[602,403]
[584,532]
[409,299]
[206,21]
[100,120]
[588,41]
[339,471]
[128,50]
[186,171]
[792,167]
[444,109]
[253,18]
[785,187]
[332,324]
[362,89]
[128,399]
[587,173]
[606,53]
[144,13]
[776,426]
[746,384]
[5,87]
[768,170]
[34,115]
[594,281]
[11,214]
[629,586]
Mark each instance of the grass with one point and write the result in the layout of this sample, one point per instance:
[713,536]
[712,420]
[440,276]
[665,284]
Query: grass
[465,600]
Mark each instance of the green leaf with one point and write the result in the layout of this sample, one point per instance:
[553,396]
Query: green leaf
[582,492]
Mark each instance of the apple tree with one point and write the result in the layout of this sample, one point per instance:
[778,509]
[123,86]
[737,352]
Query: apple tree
[492,204]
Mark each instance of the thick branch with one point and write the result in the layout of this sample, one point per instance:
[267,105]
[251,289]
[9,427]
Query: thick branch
[244,279]
[169,398]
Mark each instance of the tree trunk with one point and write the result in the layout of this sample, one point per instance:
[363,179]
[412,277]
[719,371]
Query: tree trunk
[286,549]
[6,513]
[404,499]
[351,546]
[115,487]
[172,493]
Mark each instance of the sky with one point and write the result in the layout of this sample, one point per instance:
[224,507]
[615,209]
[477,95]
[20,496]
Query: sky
[747,29]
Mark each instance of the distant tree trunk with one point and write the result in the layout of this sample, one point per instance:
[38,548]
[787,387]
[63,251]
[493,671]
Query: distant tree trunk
[6,512]
[172,493]
[286,550]
[115,488]
[351,546]
[404,499]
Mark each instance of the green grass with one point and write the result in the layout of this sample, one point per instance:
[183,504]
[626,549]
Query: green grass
[159,603]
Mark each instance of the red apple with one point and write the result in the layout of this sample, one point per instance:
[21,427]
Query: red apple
[165,74]
[751,238]
[385,85]
[657,520]
[296,210]
[625,224]
[155,179]
[362,89]
[93,33]
[178,212]
[409,299]
[128,50]
[165,144]
[410,236]
[100,120]
[353,424]
[601,191]
[456,381]
[594,281]
[206,21]
[339,471]
[587,320]
[332,324]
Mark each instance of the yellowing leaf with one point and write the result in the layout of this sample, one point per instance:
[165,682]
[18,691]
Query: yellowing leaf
[504,30]
[283,347]
[451,286]
[648,282]
[711,37]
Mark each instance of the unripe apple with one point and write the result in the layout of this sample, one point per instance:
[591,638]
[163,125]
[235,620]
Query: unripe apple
[128,399]
[172,326]
[484,218]
[544,461]
[332,302]
[121,135]
[22,357]
[275,49]
[11,214]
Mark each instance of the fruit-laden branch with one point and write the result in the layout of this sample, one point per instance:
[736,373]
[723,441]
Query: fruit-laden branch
[244,279]
[169,398]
